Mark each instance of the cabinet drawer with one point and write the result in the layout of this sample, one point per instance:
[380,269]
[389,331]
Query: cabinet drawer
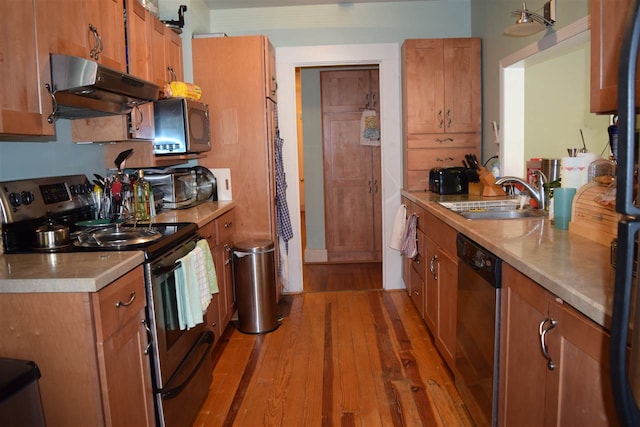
[442,235]
[427,158]
[225,228]
[448,140]
[208,231]
[119,302]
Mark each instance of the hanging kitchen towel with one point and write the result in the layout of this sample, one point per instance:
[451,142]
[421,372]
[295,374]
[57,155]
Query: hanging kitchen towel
[212,277]
[188,292]
[409,241]
[283,221]
[399,224]
[369,130]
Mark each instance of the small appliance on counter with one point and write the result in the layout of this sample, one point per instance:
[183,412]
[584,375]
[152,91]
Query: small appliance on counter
[452,180]
[183,187]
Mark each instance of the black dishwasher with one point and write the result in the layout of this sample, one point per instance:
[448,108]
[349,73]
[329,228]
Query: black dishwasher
[478,330]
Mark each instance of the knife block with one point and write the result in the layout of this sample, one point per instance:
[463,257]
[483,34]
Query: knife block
[489,187]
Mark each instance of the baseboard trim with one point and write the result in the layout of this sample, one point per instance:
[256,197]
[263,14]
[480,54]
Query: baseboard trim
[315,255]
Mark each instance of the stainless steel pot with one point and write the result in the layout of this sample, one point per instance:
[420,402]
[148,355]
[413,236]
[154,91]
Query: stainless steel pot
[52,236]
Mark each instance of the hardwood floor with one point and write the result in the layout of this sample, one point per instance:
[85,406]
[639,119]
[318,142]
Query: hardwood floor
[356,358]
[342,277]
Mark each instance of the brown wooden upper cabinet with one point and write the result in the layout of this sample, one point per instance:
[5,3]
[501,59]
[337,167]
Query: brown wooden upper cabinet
[92,29]
[608,20]
[442,105]
[26,104]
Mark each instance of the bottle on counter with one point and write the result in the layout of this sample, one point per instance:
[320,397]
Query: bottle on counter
[142,198]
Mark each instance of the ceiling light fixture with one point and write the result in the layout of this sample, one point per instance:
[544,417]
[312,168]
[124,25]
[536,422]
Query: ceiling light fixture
[530,23]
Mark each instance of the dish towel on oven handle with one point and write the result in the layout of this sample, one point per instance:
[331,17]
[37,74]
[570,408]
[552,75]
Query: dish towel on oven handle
[196,281]
[409,241]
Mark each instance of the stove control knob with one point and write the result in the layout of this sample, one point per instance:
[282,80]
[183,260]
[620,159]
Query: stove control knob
[73,190]
[15,199]
[27,197]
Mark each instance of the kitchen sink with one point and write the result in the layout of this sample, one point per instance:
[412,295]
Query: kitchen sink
[494,209]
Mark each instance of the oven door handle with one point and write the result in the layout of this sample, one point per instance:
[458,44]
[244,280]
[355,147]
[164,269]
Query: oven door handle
[207,338]
[161,271]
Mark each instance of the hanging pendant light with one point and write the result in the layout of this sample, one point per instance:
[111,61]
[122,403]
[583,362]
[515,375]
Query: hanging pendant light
[530,23]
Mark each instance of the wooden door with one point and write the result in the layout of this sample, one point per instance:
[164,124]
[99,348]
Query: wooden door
[431,283]
[462,85]
[68,32]
[173,56]
[523,370]
[158,60]
[424,90]
[352,188]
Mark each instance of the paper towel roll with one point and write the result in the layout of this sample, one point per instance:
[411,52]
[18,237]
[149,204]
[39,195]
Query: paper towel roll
[574,171]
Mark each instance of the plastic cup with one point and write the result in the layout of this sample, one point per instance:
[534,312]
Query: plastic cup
[562,200]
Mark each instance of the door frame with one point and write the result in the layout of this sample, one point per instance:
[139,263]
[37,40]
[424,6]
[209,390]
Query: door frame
[387,56]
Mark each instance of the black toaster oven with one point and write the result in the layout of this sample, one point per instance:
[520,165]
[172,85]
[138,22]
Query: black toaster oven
[452,180]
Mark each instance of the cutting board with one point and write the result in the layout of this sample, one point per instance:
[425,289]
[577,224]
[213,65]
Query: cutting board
[593,213]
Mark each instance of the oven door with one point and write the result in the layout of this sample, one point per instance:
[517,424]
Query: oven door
[182,357]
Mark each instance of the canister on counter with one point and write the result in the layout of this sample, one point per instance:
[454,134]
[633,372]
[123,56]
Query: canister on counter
[534,164]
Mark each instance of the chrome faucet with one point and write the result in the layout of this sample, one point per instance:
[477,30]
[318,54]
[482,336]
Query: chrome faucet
[538,194]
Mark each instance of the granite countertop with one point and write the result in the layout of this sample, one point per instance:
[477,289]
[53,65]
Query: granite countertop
[88,271]
[573,268]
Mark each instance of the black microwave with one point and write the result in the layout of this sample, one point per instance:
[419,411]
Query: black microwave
[181,126]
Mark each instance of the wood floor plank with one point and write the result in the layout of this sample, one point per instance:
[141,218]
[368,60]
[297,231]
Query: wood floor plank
[350,358]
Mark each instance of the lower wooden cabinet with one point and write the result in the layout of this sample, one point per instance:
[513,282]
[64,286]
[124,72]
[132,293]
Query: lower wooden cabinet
[431,278]
[219,234]
[567,385]
[441,286]
[90,352]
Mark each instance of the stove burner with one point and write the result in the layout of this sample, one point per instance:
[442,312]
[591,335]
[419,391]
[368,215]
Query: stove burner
[118,237]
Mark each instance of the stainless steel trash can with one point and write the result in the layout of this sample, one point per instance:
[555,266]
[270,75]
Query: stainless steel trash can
[20,403]
[254,279]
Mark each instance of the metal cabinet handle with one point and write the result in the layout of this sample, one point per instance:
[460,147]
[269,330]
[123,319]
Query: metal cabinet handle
[448,118]
[432,266]
[54,110]
[370,187]
[542,331]
[149,336]
[228,224]
[97,48]
[440,119]
[416,293]
[137,123]
[132,297]
[172,74]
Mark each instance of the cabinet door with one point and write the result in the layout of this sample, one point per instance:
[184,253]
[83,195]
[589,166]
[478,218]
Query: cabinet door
[423,88]
[579,391]
[523,369]
[225,227]
[447,272]
[608,19]
[158,60]
[25,105]
[462,85]
[128,398]
[107,16]
[173,56]
[68,31]
[431,286]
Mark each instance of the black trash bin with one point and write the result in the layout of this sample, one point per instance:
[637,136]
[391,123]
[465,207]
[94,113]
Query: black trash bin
[20,403]
[254,279]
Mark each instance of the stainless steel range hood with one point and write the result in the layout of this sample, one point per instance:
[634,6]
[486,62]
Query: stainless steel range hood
[83,88]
